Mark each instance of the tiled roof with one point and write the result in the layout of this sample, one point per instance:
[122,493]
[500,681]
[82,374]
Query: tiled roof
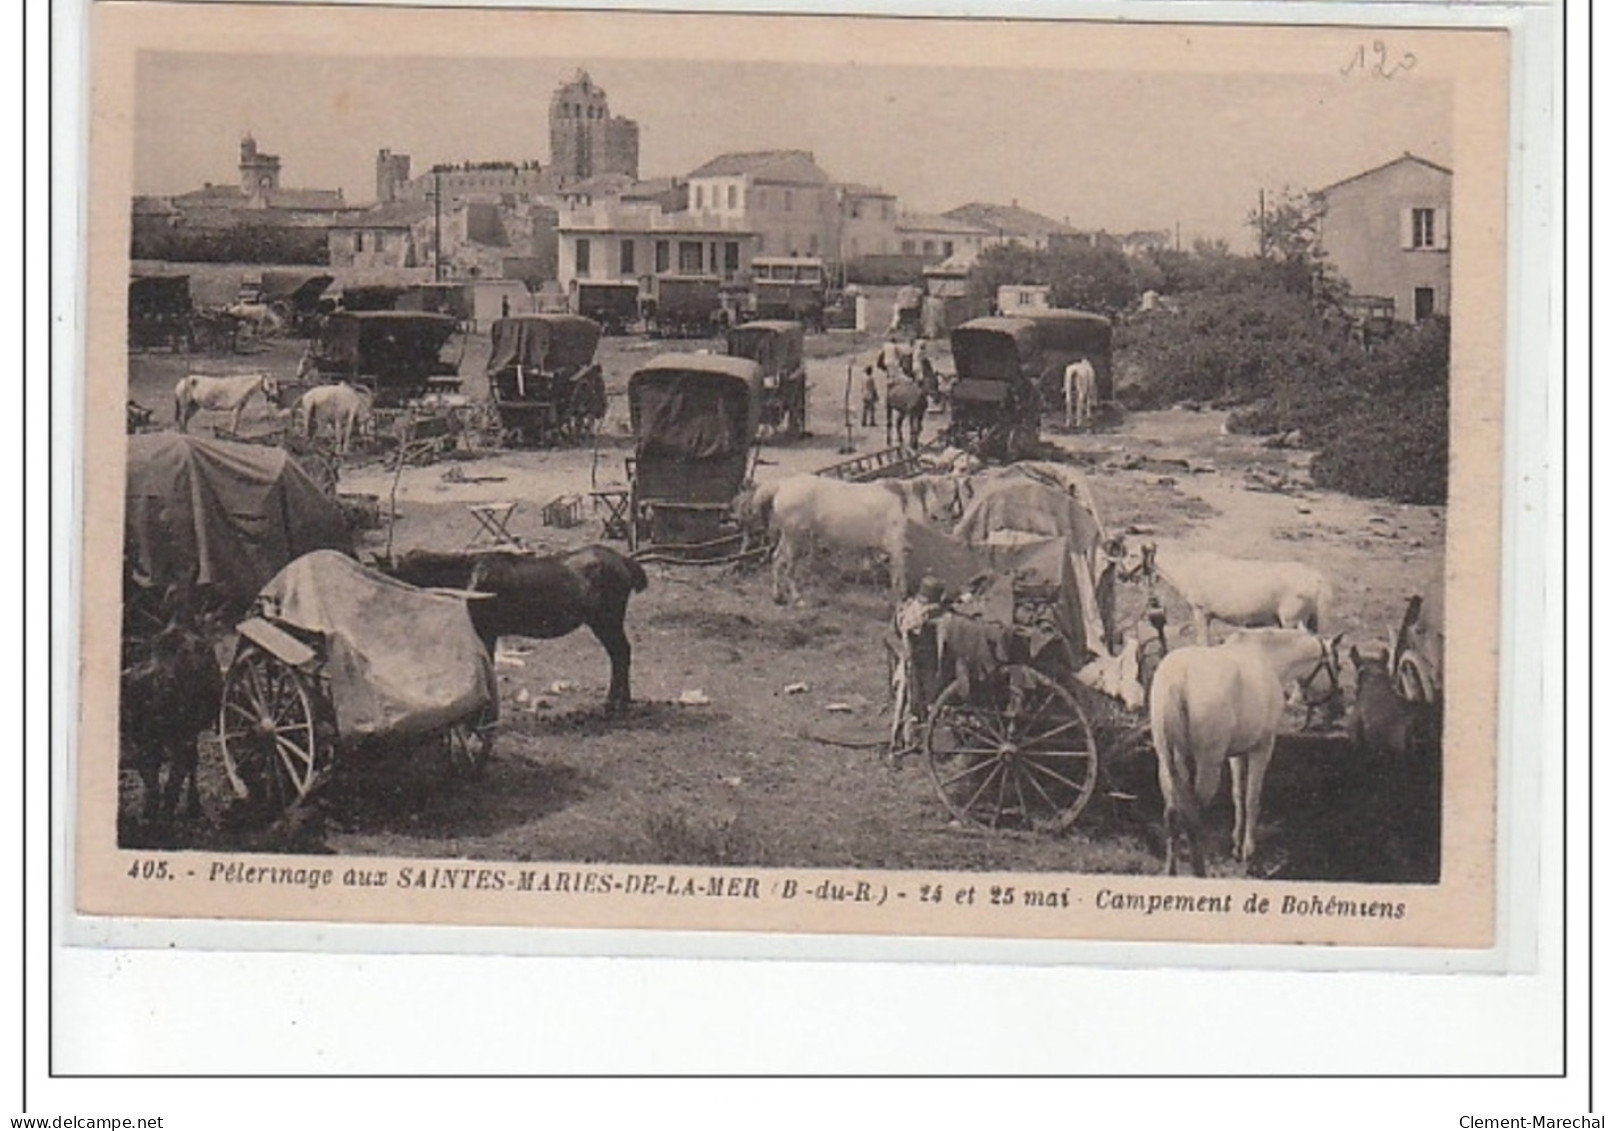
[789,166]
[1381,168]
[394,214]
[1011,219]
[929,222]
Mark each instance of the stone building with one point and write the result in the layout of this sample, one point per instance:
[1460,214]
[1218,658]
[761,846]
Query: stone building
[585,140]
[1388,231]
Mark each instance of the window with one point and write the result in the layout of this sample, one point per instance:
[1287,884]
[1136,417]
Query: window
[787,200]
[1424,227]
[700,197]
[813,245]
[929,248]
[626,263]
[947,248]
[690,257]
[731,255]
[358,241]
[583,257]
[732,195]
[662,256]
[908,247]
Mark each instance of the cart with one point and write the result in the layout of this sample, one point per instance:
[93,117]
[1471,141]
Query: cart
[695,428]
[997,406]
[543,380]
[776,347]
[682,306]
[397,354]
[985,680]
[339,660]
[614,304]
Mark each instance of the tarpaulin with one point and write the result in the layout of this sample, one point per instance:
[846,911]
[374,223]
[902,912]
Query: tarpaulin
[401,661]
[213,512]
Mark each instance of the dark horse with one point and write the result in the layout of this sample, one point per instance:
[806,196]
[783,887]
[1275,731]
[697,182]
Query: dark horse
[540,597]
[906,402]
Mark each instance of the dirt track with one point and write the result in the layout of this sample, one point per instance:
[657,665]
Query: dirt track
[760,776]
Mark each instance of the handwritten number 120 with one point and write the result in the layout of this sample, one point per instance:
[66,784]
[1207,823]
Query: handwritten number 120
[1377,61]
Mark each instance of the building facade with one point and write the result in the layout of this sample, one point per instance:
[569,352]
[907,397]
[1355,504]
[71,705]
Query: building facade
[868,222]
[585,139]
[634,241]
[1388,232]
[939,239]
[780,195]
[1011,224]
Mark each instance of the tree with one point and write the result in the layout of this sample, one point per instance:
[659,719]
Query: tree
[1083,277]
[1006,264]
[1288,228]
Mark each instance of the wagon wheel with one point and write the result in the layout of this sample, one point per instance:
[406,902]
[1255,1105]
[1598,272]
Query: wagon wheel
[269,730]
[468,744]
[1019,752]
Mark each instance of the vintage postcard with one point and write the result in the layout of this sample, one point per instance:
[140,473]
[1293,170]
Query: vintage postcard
[829,475]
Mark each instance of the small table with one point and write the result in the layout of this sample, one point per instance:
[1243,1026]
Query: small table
[616,504]
[493,526]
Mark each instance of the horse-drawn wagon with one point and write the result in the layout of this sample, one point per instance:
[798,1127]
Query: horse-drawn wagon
[682,306]
[695,427]
[543,380]
[295,297]
[160,312]
[395,354]
[988,654]
[789,288]
[997,405]
[1066,336]
[338,660]
[776,347]
[613,303]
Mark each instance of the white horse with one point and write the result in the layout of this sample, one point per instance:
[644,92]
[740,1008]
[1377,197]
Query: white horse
[801,509]
[262,318]
[1242,593]
[221,394]
[1080,385]
[1214,705]
[342,408]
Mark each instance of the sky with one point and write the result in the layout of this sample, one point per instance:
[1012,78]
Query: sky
[1105,149]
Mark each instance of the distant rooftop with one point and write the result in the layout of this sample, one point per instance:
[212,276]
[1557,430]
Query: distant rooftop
[789,166]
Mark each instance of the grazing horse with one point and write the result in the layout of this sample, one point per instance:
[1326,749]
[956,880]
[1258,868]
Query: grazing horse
[1080,385]
[341,407]
[1245,594]
[860,516]
[221,394]
[1214,705]
[907,401]
[541,597]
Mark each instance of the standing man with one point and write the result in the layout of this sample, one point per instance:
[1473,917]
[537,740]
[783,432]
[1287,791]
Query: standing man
[871,396]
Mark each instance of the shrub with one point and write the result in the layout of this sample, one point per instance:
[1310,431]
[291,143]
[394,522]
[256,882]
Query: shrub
[1393,447]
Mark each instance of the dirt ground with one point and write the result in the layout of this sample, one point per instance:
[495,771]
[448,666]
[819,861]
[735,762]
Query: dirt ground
[764,776]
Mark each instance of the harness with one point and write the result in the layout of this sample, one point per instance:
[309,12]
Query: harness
[1323,667]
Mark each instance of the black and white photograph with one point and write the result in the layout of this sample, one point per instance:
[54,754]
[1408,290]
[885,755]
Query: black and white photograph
[793,473]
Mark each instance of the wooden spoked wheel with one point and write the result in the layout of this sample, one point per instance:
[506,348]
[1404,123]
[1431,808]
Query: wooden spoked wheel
[1016,751]
[468,744]
[269,730]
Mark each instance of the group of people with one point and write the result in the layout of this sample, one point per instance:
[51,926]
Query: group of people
[895,361]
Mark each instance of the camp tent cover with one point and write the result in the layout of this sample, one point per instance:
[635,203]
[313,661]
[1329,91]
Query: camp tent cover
[216,513]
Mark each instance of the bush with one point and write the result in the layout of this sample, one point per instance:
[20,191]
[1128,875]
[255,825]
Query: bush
[1393,447]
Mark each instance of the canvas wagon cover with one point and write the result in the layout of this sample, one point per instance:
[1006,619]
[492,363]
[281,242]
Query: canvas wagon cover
[212,512]
[547,342]
[695,418]
[1025,525]
[775,346]
[402,661]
